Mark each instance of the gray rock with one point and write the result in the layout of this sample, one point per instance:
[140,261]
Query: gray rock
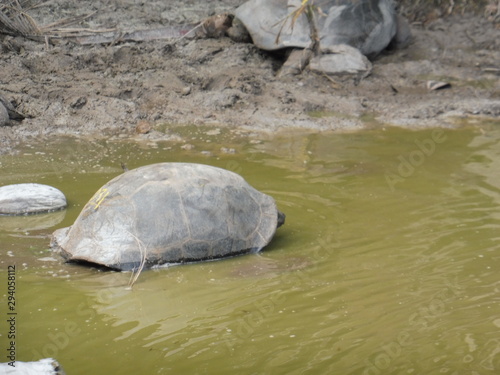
[22,199]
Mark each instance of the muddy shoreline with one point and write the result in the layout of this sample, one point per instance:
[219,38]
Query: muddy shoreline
[108,90]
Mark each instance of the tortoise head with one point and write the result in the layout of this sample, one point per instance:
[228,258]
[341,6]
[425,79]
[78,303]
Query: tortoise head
[281,219]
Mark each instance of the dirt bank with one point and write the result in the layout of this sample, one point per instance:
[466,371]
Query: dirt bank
[104,90]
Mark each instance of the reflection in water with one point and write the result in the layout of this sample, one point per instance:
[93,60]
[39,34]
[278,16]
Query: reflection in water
[362,279]
[24,223]
[485,164]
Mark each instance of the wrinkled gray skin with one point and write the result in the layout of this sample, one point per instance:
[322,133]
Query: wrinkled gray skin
[4,115]
[8,112]
[170,213]
[368,25]
[24,199]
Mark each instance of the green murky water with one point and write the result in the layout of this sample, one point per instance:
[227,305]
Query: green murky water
[388,263]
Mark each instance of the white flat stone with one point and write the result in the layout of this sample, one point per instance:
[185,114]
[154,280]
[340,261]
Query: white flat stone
[21,199]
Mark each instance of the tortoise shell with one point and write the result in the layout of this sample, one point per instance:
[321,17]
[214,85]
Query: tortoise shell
[170,213]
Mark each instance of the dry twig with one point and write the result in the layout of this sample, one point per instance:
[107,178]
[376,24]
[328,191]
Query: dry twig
[15,21]
[136,272]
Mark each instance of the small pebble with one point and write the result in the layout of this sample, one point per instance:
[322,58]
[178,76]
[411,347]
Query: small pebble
[214,132]
[143,127]
[187,146]
[226,150]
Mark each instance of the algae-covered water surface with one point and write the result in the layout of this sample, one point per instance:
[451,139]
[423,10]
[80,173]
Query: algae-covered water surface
[388,262]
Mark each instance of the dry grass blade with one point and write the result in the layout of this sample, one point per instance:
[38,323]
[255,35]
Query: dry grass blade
[306,8]
[15,21]
[296,14]
[137,272]
[303,8]
[66,22]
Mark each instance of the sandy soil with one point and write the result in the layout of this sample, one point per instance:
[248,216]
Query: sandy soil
[105,90]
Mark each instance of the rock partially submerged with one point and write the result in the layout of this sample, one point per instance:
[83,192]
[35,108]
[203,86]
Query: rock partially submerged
[23,199]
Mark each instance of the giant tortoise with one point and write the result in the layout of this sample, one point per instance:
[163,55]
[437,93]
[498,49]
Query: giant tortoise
[170,213]
[348,30]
